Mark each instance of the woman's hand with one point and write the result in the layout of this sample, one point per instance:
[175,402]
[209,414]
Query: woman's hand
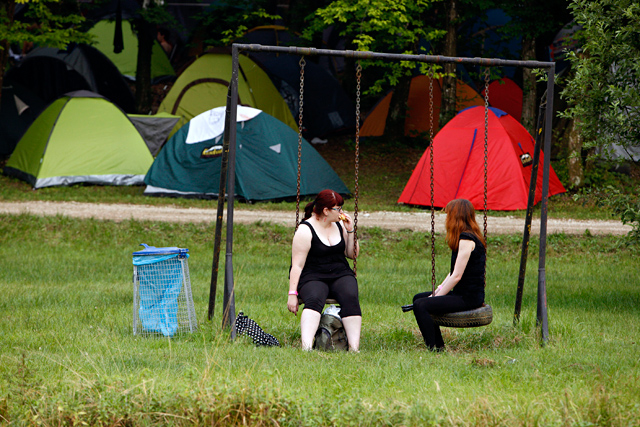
[346,219]
[292,304]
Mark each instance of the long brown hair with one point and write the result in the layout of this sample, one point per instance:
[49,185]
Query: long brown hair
[324,199]
[461,217]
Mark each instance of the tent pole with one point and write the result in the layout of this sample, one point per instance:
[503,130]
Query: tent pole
[524,253]
[541,319]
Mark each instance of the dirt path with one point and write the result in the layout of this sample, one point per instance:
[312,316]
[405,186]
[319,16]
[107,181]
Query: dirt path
[417,221]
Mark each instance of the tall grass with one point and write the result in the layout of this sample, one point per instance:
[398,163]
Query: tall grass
[68,355]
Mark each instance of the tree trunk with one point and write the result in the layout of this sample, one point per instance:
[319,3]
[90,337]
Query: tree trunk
[146,37]
[394,127]
[529,93]
[8,8]
[576,173]
[448,103]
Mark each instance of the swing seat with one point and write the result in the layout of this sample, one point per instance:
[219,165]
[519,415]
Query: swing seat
[329,301]
[480,316]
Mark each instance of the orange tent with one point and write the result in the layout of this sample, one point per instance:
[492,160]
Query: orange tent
[418,114]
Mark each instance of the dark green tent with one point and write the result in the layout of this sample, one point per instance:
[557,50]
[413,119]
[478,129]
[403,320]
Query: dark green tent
[266,160]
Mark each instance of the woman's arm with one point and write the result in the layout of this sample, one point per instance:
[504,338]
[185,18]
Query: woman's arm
[352,248]
[465,247]
[299,250]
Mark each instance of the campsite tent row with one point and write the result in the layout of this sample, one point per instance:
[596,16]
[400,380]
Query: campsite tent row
[47,73]
[504,94]
[83,138]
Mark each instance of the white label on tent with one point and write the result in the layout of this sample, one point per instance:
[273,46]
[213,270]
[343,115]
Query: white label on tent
[210,124]
[277,148]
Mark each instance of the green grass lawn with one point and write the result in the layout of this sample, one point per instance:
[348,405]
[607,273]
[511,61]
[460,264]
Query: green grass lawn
[68,355]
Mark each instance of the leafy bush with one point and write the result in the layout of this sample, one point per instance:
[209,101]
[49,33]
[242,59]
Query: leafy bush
[626,205]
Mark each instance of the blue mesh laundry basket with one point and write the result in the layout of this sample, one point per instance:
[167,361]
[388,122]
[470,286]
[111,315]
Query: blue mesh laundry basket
[162,301]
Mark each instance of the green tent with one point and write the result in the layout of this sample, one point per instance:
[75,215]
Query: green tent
[266,160]
[80,138]
[127,60]
[203,85]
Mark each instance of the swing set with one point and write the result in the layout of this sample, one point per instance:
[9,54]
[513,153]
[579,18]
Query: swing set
[478,317]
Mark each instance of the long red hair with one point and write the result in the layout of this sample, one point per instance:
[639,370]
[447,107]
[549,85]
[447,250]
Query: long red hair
[324,199]
[461,217]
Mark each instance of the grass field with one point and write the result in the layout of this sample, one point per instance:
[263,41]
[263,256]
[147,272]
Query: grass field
[68,355]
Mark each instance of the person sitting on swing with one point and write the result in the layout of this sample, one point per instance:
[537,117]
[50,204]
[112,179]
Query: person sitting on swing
[463,288]
[320,270]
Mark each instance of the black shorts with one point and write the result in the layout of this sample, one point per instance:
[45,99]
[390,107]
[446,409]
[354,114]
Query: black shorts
[343,289]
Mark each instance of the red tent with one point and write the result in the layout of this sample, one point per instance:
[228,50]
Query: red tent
[459,164]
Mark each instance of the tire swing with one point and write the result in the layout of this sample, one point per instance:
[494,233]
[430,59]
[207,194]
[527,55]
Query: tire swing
[357,161]
[482,315]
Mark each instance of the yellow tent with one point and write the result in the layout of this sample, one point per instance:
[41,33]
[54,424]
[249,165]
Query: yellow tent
[203,85]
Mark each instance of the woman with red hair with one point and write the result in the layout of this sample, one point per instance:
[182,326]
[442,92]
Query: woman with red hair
[319,268]
[463,288]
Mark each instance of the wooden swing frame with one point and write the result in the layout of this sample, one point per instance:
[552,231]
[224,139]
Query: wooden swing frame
[228,169]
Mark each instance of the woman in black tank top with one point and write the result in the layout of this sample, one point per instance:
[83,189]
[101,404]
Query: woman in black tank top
[463,288]
[319,268]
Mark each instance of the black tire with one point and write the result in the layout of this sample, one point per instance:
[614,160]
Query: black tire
[480,316]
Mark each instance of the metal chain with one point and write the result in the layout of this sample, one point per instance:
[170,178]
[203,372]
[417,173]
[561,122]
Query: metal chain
[487,75]
[433,210]
[357,162]
[300,109]
[486,143]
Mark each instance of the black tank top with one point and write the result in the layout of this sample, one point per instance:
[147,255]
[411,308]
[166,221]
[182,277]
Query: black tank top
[471,285]
[324,261]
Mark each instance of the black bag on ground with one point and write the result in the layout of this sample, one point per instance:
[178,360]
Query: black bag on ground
[248,327]
[330,334]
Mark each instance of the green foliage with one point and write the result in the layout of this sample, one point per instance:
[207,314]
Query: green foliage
[156,14]
[625,205]
[43,26]
[380,26]
[604,92]
[533,18]
[224,22]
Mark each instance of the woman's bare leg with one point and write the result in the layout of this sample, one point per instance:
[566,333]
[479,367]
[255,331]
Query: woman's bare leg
[352,326]
[309,321]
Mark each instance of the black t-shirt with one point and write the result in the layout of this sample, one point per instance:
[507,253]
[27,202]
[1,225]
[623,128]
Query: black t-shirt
[471,285]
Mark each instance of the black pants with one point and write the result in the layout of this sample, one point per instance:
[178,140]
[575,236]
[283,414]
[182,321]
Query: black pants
[423,307]
[343,289]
